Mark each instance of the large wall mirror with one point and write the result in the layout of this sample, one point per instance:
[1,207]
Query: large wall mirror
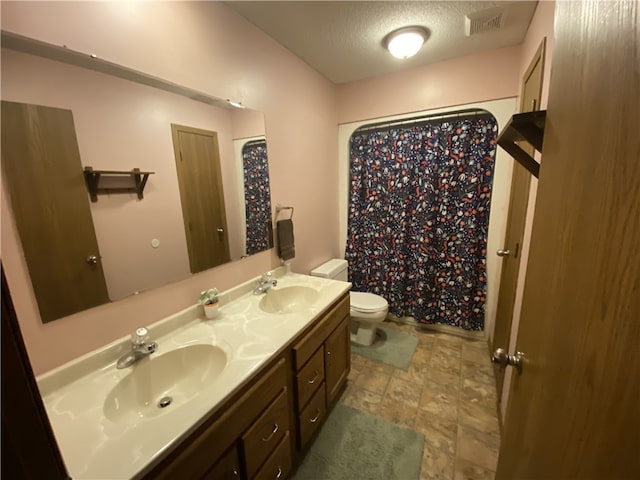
[123,120]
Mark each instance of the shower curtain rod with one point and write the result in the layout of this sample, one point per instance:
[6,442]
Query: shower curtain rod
[426,119]
[251,143]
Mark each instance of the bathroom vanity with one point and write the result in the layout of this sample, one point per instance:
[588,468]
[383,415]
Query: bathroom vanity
[240,396]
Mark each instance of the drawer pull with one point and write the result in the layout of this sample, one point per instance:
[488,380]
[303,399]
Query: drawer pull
[279,472]
[275,430]
[313,380]
[315,419]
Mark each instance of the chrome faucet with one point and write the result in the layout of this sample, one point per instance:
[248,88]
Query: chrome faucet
[265,283]
[140,347]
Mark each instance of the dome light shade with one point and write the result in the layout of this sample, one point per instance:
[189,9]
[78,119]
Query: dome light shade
[406,42]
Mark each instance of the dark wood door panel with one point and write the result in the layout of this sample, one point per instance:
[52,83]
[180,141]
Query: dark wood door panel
[43,175]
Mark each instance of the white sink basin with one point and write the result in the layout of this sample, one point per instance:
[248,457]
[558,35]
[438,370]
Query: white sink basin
[288,299]
[159,384]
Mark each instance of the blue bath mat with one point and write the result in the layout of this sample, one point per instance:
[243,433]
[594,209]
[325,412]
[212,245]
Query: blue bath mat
[391,347]
[353,445]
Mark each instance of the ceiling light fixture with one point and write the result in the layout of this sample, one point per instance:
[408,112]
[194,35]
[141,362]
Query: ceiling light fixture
[406,42]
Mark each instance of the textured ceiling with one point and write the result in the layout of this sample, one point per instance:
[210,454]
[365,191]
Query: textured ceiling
[343,40]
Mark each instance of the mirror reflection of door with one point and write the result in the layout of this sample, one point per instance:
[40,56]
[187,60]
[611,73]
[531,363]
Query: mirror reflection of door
[40,156]
[202,196]
[516,217]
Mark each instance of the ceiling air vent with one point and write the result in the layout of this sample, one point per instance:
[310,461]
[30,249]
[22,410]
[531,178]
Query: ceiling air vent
[484,21]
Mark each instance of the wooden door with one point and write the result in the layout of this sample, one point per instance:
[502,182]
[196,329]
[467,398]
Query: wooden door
[29,448]
[43,175]
[516,218]
[574,412]
[337,359]
[202,196]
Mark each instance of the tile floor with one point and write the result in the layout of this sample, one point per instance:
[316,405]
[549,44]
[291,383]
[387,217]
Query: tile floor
[448,394]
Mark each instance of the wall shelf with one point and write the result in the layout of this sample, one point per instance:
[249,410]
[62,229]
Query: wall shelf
[528,127]
[136,178]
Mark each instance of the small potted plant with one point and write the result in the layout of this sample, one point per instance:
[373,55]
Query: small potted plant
[209,301]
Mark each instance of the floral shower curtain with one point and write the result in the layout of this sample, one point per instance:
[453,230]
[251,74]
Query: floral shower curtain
[257,196]
[419,215]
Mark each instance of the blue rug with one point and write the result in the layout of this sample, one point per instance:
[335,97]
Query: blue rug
[353,445]
[391,347]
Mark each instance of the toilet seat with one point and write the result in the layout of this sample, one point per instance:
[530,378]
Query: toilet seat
[367,302]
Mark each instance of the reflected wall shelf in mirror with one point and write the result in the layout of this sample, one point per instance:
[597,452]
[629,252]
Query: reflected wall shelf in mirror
[136,176]
[528,127]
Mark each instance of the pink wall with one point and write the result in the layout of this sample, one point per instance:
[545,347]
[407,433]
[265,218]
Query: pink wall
[486,76]
[247,123]
[207,47]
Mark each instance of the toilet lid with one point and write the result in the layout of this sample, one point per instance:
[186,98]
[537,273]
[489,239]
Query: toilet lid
[367,302]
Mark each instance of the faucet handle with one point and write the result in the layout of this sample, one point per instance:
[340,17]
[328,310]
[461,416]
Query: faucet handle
[267,276]
[140,336]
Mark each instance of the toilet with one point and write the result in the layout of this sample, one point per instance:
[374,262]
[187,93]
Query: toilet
[368,310]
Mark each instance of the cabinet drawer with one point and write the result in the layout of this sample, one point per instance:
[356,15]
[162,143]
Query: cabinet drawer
[310,377]
[278,464]
[263,436]
[307,346]
[312,416]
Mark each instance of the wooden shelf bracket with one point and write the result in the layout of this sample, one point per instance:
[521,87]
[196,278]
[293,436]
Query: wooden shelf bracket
[93,180]
[524,126]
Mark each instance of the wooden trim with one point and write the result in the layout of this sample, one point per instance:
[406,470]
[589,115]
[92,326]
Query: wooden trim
[539,56]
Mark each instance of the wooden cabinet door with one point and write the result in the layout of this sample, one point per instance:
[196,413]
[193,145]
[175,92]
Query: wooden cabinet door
[227,468]
[44,178]
[337,359]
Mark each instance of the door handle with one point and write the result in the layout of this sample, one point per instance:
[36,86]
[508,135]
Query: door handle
[220,230]
[502,358]
[92,260]
[503,253]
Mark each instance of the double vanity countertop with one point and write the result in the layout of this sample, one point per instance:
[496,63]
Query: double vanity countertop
[107,421]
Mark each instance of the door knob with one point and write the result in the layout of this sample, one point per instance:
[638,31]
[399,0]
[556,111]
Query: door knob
[502,358]
[92,260]
[220,230]
[503,253]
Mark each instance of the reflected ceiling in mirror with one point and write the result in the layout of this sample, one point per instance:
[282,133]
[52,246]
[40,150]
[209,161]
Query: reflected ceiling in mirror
[123,121]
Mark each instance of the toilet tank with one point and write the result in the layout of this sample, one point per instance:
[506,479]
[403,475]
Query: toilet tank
[335,269]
